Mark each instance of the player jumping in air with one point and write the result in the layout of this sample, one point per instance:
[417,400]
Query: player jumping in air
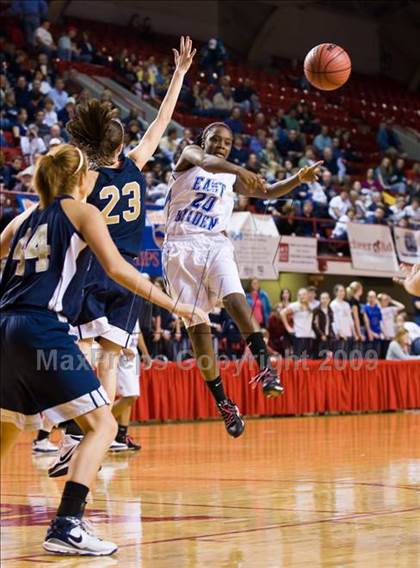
[42,368]
[198,257]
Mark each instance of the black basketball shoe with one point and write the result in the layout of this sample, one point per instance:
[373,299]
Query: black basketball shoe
[271,385]
[232,418]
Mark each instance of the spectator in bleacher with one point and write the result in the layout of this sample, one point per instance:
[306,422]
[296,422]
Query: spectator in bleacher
[293,146]
[339,205]
[21,126]
[11,172]
[357,202]
[32,144]
[68,112]
[31,12]
[234,121]
[257,142]
[276,330]
[169,143]
[259,301]
[377,217]
[343,321]
[59,95]
[43,38]
[319,199]
[260,121]
[56,131]
[9,110]
[280,118]
[388,140]
[246,97]
[399,348]
[24,180]
[212,58]
[373,322]
[223,102]
[305,226]
[398,178]
[253,163]
[375,201]
[67,49]
[412,212]
[50,115]
[238,154]
[334,165]
[22,96]
[270,158]
[87,51]
[340,229]
[322,325]
[302,332]
[291,120]
[328,184]
[322,140]
[398,209]
[308,159]
[286,224]
[36,100]
[159,192]
[306,118]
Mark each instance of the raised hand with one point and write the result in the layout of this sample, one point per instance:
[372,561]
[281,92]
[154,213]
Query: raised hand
[309,174]
[184,57]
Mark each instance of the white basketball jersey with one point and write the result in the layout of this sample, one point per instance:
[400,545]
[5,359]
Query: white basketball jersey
[199,202]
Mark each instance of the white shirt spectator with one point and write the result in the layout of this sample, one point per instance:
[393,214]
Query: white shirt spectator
[413,330]
[44,37]
[396,352]
[317,193]
[342,205]
[45,87]
[343,325]
[59,97]
[50,118]
[389,314]
[31,146]
[413,214]
[340,229]
[302,320]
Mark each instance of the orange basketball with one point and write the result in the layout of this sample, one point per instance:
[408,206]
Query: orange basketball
[327,66]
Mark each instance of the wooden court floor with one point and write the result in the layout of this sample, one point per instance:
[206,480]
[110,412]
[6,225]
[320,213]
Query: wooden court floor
[294,492]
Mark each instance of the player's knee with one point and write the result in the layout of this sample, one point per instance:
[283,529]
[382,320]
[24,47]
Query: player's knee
[234,302]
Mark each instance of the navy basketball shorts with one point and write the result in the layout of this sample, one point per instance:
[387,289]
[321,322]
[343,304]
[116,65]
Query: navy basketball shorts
[44,375]
[108,309]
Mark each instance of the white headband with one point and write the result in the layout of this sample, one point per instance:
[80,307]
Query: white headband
[81,160]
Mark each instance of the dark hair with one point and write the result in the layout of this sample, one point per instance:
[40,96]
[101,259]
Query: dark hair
[97,132]
[210,127]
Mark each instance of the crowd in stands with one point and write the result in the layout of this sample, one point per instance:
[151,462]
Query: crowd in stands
[37,101]
[346,324]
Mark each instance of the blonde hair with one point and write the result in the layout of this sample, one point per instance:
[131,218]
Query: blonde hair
[59,172]
[400,334]
[352,289]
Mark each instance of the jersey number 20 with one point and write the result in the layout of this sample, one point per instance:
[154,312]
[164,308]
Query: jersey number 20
[112,193]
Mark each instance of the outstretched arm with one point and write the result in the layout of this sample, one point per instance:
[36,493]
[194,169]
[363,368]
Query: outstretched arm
[307,174]
[142,153]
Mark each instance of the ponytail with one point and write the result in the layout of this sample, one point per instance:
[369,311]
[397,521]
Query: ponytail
[59,172]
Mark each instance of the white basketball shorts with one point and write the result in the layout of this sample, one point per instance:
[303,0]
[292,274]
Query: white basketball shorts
[200,270]
[128,370]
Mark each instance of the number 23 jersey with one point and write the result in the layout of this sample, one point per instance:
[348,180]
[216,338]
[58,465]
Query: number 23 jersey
[199,202]
[119,193]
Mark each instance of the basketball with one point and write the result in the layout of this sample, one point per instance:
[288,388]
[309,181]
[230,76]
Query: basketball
[327,66]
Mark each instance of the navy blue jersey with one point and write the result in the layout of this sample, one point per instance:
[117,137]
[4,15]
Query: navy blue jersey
[120,194]
[44,268]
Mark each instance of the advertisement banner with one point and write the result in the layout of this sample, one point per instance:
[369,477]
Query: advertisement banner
[372,248]
[297,254]
[256,239]
[407,243]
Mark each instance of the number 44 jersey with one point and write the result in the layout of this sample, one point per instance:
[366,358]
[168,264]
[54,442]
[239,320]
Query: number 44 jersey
[199,202]
[45,267]
[120,193]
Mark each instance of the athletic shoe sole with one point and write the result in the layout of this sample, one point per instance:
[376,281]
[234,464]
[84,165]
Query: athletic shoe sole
[59,547]
[61,467]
